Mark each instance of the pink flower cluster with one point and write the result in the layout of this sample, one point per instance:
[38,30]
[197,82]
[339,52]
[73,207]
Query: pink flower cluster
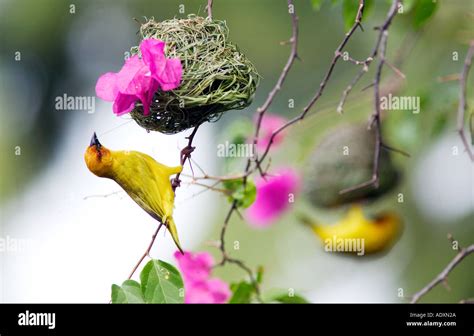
[273,192]
[273,197]
[199,287]
[140,78]
[270,123]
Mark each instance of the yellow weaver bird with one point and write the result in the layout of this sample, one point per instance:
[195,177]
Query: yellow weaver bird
[145,180]
[375,234]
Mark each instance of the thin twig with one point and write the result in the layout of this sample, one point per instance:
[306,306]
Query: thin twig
[448,78]
[147,252]
[443,276]
[248,169]
[209,9]
[462,100]
[375,120]
[391,13]
[260,114]
[345,93]
[103,195]
[210,187]
[185,155]
[322,85]
[291,59]
[397,71]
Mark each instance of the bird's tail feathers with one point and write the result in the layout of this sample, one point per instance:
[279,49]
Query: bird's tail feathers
[174,232]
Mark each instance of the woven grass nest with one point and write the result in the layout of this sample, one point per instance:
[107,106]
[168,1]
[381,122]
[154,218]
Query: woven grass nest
[217,77]
[332,168]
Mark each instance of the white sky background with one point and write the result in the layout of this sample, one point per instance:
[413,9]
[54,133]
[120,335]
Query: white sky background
[80,247]
[77,248]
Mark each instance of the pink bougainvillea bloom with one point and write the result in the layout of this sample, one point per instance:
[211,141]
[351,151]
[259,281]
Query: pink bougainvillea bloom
[273,198]
[167,72]
[199,287]
[270,123]
[139,78]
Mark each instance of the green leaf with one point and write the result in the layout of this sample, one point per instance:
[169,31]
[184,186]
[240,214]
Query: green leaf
[242,292]
[408,5]
[129,292]
[317,4]
[244,195]
[423,10]
[285,298]
[349,11]
[161,283]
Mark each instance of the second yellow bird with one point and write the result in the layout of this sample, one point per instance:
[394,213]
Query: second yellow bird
[356,233]
[145,180]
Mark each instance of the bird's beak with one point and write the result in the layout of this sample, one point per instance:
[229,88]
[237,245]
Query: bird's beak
[95,142]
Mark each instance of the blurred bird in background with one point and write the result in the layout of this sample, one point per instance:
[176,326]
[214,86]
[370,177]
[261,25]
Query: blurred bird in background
[377,234]
[145,180]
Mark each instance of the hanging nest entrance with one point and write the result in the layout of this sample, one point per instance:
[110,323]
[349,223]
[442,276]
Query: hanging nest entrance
[217,77]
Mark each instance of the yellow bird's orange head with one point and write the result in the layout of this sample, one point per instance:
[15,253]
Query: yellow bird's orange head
[98,158]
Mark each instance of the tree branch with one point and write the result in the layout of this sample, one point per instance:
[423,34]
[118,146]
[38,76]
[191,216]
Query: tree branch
[248,169]
[462,100]
[443,276]
[375,120]
[322,85]
[185,155]
[147,251]
[260,114]
[209,9]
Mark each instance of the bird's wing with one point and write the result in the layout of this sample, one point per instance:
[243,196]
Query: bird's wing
[137,178]
[162,184]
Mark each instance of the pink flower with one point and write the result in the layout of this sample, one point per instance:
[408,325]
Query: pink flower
[273,198]
[270,123]
[139,78]
[199,287]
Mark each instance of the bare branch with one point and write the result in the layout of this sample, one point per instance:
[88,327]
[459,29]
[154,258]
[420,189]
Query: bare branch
[388,21]
[185,155]
[375,120]
[322,85]
[443,276]
[462,100]
[260,114]
[209,9]
[147,251]
[291,59]
[248,169]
